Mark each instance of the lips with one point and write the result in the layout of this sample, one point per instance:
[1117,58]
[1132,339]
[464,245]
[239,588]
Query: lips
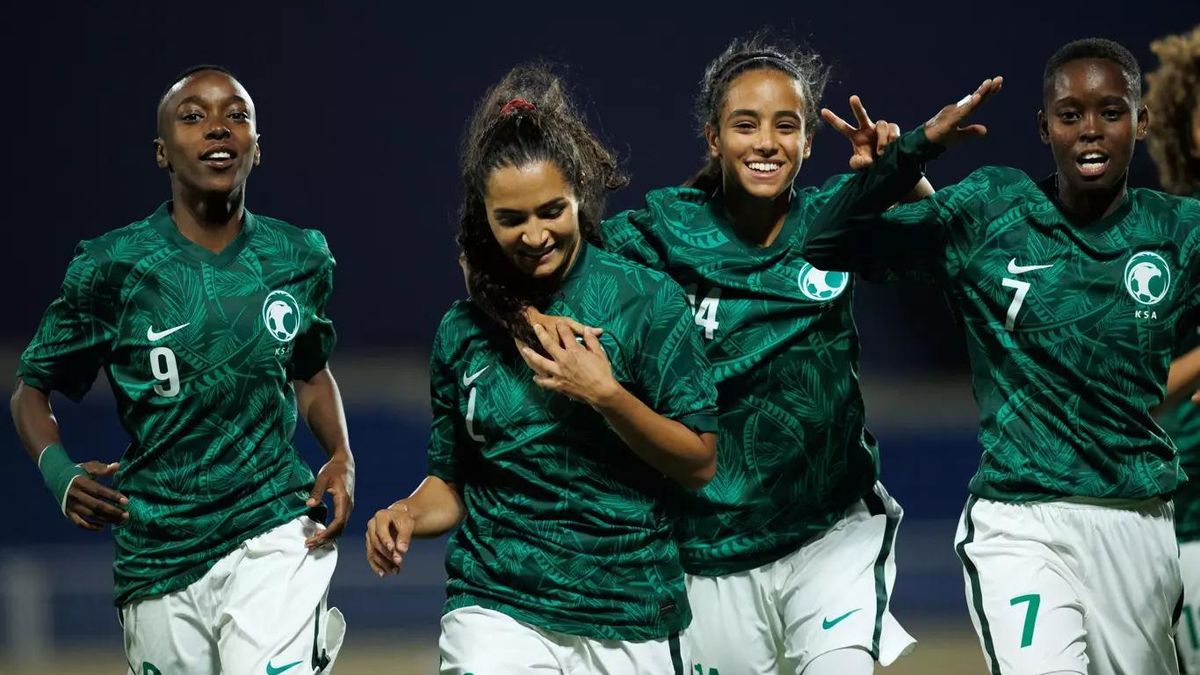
[1092,164]
[764,169]
[218,157]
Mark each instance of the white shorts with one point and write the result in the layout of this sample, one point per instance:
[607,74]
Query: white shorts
[260,609]
[1071,586]
[484,641]
[1187,633]
[832,593]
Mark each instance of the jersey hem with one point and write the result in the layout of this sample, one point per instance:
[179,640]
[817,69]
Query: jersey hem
[659,631]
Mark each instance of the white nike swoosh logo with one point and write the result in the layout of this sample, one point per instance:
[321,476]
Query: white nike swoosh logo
[467,381]
[155,337]
[1014,268]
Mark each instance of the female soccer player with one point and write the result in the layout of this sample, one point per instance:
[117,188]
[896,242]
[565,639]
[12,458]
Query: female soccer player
[564,561]
[789,550]
[210,324]
[1173,137]
[1070,291]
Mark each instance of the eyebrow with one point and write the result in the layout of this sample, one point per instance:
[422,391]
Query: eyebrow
[754,113]
[553,202]
[200,101]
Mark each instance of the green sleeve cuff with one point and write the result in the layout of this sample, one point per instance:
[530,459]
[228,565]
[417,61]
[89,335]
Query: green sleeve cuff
[915,146]
[703,422]
[58,472]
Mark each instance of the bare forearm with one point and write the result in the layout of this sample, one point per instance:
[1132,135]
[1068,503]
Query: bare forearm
[33,418]
[320,405]
[435,507]
[1182,379]
[669,446]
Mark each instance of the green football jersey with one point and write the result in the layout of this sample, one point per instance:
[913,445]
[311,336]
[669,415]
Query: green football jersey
[793,451]
[1182,423]
[200,350]
[1070,327]
[566,529]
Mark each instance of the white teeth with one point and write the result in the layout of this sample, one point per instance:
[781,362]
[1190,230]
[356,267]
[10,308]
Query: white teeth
[1093,157]
[764,166]
[221,154]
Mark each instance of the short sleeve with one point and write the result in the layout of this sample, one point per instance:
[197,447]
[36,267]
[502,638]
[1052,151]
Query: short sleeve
[626,234]
[316,341]
[446,437]
[673,369]
[75,336]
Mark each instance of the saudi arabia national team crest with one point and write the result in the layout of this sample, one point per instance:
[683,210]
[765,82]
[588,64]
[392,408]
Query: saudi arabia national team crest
[281,314]
[1147,277]
[820,285]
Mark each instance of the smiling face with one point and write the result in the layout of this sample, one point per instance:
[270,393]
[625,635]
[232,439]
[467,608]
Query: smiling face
[1091,122]
[208,137]
[760,137]
[534,216]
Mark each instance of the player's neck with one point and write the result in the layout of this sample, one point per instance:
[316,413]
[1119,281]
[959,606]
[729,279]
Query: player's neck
[756,221]
[1090,205]
[210,220]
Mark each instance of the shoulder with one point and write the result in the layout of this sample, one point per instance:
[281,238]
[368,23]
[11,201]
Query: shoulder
[462,322]
[125,244]
[993,190]
[309,241]
[628,271]
[663,208]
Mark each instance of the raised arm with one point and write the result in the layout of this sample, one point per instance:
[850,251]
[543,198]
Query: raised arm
[853,233]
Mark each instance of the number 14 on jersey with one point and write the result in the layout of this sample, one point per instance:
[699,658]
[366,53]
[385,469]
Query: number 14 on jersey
[706,311]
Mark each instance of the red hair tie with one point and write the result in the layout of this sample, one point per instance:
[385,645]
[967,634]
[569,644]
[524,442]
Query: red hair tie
[516,105]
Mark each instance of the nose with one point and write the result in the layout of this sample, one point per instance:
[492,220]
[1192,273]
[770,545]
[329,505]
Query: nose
[535,235]
[1091,129]
[765,143]
[217,130]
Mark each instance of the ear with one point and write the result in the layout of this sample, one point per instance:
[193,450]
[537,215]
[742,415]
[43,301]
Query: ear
[1143,122]
[257,150]
[160,154]
[808,141]
[713,138]
[1043,127]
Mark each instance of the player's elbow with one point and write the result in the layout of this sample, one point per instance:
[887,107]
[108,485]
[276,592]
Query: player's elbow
[705,467]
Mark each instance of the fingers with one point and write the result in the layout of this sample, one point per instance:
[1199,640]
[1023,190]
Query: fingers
[567,338]
[404,529]
[881,136]
[80,522]
[99,469]
[593,345]
[840,125]
[341,514]
[893,132]
[378,557]
[973,130]
[860,162]
[99,491]
[81,500]
[538,363]
[319,486]
[549,342]
[860,113]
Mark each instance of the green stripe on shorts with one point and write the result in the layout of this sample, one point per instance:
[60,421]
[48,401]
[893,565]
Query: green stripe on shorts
[976,594]
[676,654]
[881,597]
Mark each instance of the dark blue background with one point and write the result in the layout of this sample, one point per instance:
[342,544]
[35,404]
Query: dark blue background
[361,110]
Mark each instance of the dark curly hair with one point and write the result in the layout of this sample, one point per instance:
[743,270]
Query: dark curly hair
[526,117]
[1173,95]
[759,51]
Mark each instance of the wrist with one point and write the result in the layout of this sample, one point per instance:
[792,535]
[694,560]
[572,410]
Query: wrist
[58,472]
[608,398]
